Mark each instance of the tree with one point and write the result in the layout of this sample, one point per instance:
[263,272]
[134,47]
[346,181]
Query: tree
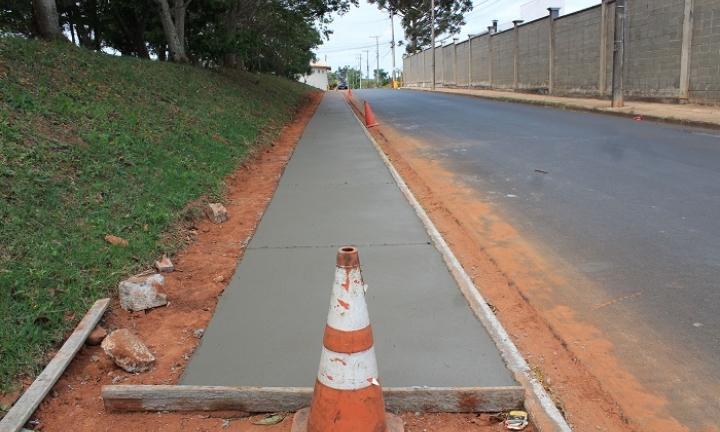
[417,17]
[173,30]
[47,20]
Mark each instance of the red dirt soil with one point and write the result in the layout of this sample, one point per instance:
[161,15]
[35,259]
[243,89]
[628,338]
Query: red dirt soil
[202,272]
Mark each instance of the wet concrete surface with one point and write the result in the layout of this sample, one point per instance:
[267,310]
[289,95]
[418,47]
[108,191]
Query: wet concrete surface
[268,327]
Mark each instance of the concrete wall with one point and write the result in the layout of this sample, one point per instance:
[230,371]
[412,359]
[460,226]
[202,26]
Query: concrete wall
[534,55]
[653,42]
[503,51]
[656,33]
[462,64]
[447,74]
[705,61]
[480,56]
[577,52]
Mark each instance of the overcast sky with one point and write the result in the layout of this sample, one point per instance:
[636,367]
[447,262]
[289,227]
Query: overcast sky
[354,31]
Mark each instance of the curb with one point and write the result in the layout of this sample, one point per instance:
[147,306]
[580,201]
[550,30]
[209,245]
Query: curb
[544,412]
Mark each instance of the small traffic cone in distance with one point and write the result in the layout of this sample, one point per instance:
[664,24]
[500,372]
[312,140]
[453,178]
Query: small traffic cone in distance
[349,92]
[369,117]
[347,396]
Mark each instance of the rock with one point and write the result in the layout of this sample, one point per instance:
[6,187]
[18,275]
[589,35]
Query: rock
[164,265]
[219,278]
[96,336]
[116,240]
[142,292]
[216,213]
[128,352]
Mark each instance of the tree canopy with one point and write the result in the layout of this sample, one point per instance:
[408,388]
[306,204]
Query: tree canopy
[274,36]
[417,19]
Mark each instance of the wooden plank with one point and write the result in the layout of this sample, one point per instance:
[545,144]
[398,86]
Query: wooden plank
[132,398]
[19,414]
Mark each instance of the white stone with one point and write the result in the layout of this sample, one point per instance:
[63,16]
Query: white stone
[216,213]
[143,292]
[164,265]
[128,352]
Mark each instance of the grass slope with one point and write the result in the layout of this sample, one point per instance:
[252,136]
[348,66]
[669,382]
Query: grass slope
[92,145]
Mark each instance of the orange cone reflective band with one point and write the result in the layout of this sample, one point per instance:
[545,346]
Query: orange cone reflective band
[369,117]
[347,396]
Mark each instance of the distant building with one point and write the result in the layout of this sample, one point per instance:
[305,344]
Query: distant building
[318,75]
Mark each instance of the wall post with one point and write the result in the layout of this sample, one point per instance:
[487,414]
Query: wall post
[602,84]
[619,55]
[516,57]
[491,32]
[554,13]
[455,41]
[685,53]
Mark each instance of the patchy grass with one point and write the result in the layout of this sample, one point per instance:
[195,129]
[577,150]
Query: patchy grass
[94,145]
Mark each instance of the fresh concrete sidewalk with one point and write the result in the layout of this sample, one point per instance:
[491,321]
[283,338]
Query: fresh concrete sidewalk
[269,323]
[693,115]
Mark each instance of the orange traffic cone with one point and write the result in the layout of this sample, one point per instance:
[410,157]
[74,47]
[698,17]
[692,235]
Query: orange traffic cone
[347,395]
[369,117]
[349,92]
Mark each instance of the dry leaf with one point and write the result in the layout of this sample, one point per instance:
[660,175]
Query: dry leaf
[269,421]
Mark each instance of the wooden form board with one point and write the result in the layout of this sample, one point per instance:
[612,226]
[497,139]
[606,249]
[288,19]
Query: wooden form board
[130,398]
[19,414]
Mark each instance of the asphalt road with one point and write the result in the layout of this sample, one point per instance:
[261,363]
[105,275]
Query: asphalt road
[629,206]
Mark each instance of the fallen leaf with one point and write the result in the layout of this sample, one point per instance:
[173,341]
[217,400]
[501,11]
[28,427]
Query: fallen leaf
[269,421]
[116,240]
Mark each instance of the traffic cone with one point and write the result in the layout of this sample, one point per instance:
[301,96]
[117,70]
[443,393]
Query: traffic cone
[348,395]
[349,92]
[369,117]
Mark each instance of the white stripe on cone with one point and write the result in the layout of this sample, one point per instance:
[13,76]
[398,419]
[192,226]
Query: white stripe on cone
[348,310]
[348,371]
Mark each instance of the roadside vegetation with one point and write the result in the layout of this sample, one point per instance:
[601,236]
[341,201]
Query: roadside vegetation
[94,145]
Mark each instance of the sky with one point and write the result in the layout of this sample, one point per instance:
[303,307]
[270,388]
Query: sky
[354,32]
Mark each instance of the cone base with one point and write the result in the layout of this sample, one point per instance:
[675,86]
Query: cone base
[394,423]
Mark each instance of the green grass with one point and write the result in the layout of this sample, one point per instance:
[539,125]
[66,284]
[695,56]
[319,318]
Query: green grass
[92,145]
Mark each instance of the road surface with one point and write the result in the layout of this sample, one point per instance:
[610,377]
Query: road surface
[628,211]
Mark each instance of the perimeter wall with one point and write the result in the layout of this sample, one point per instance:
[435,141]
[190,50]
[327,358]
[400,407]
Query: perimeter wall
[672,54]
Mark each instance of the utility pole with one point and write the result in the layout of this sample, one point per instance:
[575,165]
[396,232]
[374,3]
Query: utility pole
[367,62]
[432,41]
[377,55]
[618,55]
[360,71]
[392,28]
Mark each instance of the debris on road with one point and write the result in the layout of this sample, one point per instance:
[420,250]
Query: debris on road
[541,171]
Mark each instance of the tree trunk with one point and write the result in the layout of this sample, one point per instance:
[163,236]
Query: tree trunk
[47,19]
[176,46]
[179,13]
